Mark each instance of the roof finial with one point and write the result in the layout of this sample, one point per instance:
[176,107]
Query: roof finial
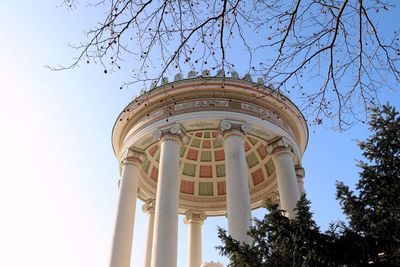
[178,77]
[191,74]
[247,77]
[235,75]
[205,73]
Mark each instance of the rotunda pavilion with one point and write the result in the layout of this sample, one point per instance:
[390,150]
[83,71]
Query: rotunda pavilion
[203,146]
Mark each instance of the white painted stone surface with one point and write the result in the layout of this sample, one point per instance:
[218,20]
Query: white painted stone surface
[238,195]
[165,239]
[149,209]
[194,222]
[287,182]
[300,184]
[194,245]
[300,178]
[125,219]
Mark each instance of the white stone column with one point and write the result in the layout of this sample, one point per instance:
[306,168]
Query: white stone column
[149,208]
[287,182]
[300,173]
[165,239]
[237,193]
[194,220]
[125,219]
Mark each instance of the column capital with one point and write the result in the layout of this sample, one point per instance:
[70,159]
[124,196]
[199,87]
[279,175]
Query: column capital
[231,127]
[133,157]
[279,145]
[194,217]
[272,198]
[173,132]
[149,206]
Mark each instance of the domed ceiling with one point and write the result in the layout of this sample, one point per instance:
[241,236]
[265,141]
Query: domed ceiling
[202,167]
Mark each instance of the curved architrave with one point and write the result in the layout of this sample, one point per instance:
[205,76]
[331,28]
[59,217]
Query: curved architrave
[139,132]
[178,92]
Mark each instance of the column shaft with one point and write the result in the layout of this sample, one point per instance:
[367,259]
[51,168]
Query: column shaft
[149,238]
[238,195]
[165,238]
[125,219]
[194,245]
[301,186]
[300,178]
[195,221]
[287,182]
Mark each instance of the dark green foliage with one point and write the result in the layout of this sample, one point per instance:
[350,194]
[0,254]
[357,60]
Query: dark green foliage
[278,241]
[373,210]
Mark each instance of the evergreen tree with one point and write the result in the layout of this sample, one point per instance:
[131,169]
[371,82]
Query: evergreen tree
[373,211]
[278,241]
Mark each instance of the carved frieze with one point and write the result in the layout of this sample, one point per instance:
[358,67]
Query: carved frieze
[201,103]
[201,125]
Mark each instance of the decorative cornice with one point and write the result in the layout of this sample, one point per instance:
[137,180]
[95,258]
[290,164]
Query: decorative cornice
[230,127]
[194,217]
[149,206]
[133,156]
[279,145]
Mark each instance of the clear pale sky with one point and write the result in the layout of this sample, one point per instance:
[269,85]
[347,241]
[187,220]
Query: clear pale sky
[58,173]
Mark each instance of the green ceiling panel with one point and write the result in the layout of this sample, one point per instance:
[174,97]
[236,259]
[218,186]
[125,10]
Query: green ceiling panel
[270,167]
[251,160]
[253,140]
[189,169]
[206,156]
[182,151]
[196,142]
[146,165]
[220,170]
[207,135]
[206,189]
[217,143]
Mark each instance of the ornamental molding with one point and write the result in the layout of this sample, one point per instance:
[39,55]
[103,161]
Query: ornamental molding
[201,104]
[133,156]
[261,133]
[194,217]
[201,125]
[174,132]
[146,141]
[279,145]
[149,206]
[233,127]
[263,112]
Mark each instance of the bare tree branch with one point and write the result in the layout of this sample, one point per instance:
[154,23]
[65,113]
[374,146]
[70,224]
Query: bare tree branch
[330,54]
